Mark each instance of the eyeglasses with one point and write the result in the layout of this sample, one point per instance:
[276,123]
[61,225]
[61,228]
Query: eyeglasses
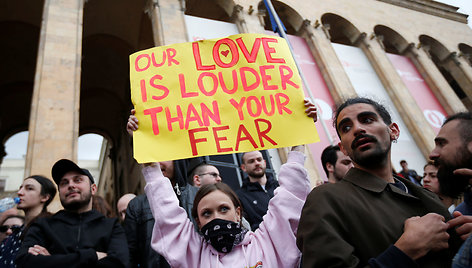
[213,174]
[4,228]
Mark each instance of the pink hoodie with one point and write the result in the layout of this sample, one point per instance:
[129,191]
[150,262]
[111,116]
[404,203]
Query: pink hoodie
[272,245]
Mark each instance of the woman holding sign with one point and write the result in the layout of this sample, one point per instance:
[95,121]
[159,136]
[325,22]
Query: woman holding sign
[221,240]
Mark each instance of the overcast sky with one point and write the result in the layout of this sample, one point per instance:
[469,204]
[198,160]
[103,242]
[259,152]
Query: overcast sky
[465,6]
[88,148]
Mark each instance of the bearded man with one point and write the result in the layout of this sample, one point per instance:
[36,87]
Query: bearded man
[453,151]
[335,163]
[453,156]
[76,236]
[373,218]
[257,189]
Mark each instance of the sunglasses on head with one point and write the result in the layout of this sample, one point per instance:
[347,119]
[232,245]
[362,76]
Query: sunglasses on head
[4,228]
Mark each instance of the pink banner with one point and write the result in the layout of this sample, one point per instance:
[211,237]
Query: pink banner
[424,97]
[322,96]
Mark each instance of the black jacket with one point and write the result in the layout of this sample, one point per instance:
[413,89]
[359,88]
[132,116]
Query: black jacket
[255,200]
[139,221]
[138,225]
[73,239]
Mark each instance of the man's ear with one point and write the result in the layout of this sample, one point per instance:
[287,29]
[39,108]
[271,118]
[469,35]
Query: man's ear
[93,188]
[196,181]
[341,147]
[330,167]
[469,147]
[394,131]
[243,167]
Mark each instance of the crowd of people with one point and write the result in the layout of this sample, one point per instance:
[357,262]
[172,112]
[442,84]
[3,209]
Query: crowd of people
[365,215]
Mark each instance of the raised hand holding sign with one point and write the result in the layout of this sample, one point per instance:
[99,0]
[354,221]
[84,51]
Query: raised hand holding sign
[234,94]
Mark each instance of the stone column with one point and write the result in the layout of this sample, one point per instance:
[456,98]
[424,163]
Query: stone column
[153,10]
[168,25]
[331,68]
[461,74]
[435,80]
[414,119]
[466,68]
[248,19]
[54,120]
[239,18]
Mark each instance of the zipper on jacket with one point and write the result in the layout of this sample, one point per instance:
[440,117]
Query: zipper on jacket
[78,233]
[177,190]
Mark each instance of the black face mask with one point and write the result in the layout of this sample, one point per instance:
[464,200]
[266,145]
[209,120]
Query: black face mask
[223,235]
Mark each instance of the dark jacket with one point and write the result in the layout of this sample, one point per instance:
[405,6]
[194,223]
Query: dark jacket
[355,222]
[9,248]
[466,206]
[255,199]
[73,239]
[138,226]
[139,221]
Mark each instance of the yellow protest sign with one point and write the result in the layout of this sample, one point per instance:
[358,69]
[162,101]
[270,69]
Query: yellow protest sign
[220,96]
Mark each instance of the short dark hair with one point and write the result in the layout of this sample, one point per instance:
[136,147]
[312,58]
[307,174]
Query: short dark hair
[244,154]
[196,171]
[402,161]
[329,155]
[47,188]
[206,189]
[431,163]
[242,157]
[465,125]
[381,110]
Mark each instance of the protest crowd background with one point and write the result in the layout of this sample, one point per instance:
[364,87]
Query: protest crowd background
[66,81]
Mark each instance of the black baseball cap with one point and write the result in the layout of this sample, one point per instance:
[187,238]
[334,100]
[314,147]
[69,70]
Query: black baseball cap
[63,166]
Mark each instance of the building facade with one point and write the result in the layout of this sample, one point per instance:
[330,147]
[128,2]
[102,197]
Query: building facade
[65,69]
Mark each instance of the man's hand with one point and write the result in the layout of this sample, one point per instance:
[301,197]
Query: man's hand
[310,110]
[101,255]
[423,234]
[38,250]
[132,123]
[462,223]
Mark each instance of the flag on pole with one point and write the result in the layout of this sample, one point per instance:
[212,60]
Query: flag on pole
[276,22]
[273,23]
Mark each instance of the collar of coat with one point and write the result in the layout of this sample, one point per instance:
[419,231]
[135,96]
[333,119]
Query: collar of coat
[372,183]
[255,186]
